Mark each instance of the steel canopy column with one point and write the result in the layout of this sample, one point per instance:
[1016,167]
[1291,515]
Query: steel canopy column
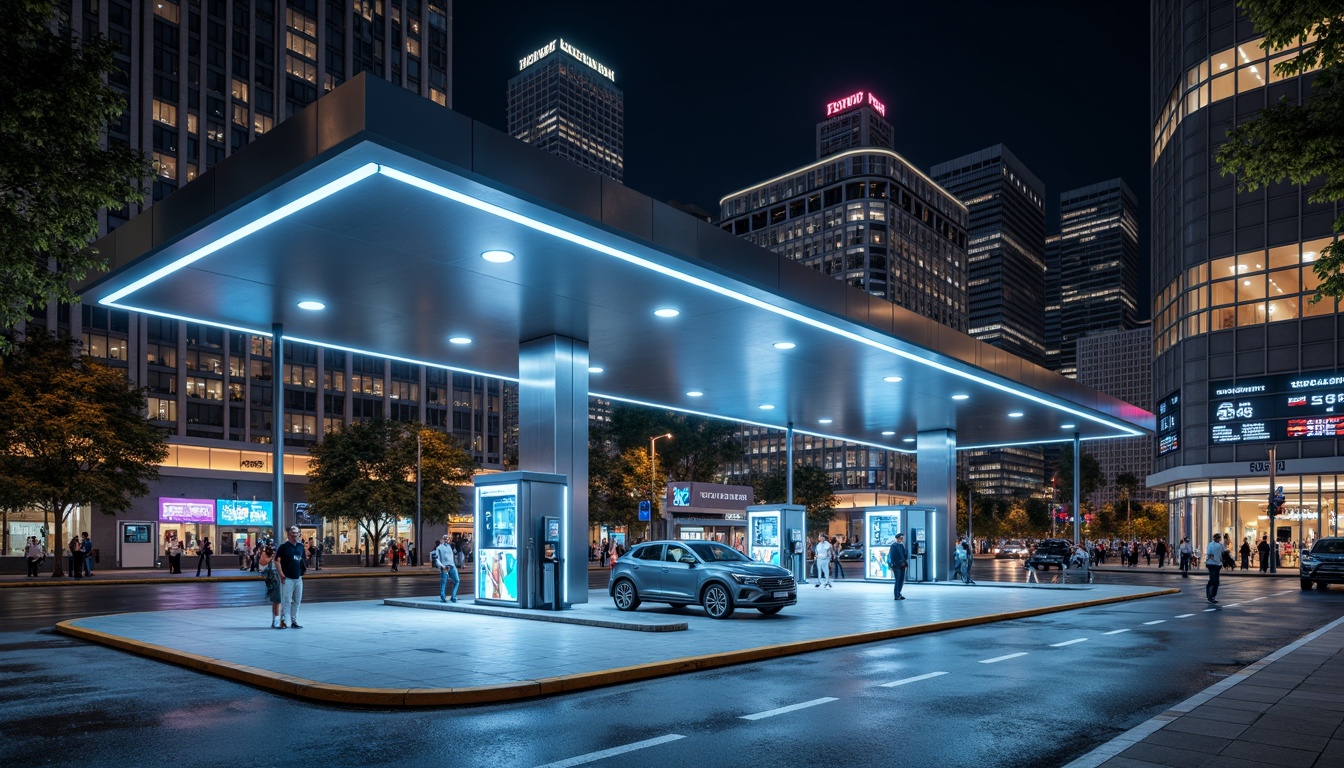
[553,434]
[936,483]
[1077,475]
[788,499]
[277,431]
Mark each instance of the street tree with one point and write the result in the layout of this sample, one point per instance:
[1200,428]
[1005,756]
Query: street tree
[1299,143]
[1127,483]
[698,447]
[1089,481]
[811,489]
[72,432]
[366,471]
[55,172]
[617,482]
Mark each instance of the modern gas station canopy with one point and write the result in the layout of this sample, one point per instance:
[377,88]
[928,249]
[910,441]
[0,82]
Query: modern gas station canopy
[428,237]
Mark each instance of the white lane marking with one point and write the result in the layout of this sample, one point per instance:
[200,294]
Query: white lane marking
[1115,631]
[595,756]
[1151,623]
[1255,599]
[1185,615]
[1069,642]
[1206,610]
[790,708]
[1285,592]
[1230,605]
[1003,658]
[914,679]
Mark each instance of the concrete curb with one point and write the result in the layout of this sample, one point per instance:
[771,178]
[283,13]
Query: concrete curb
[49,581]
[554,617]
[327,693]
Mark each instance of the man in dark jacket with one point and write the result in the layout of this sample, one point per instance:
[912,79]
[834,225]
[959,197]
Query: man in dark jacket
[292,567]
[1262,551]
[898,559]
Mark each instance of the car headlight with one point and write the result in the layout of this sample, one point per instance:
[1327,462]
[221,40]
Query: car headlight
[745,578]
[1308,560]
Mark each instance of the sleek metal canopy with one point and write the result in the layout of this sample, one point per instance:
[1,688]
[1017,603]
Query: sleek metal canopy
[379,205]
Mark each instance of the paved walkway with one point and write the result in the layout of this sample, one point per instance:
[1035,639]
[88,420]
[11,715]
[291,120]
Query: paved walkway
[370,653]
[188,576]
[1285,710]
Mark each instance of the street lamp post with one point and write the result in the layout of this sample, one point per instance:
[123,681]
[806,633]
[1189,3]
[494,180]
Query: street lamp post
[419,539]
[653,478]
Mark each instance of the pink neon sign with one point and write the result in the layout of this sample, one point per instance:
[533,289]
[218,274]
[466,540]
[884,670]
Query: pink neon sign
[855,100]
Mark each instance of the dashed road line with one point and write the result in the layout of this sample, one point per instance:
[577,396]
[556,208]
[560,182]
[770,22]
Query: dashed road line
[790,708]
[1069,642]
[914,679]
[1115,631]
[997,659]
[1207,610]
[1185,615]
[595,756]
[1151,623]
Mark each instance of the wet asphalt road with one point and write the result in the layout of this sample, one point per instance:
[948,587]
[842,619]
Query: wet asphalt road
[64,697]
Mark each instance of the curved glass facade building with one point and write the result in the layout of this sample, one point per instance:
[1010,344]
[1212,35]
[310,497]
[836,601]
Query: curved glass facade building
[1244,361]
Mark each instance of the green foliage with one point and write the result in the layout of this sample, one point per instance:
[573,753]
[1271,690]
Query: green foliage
[1299,143]
[1091,479]
[811,488]
[367,471]
[72,431]
[696,450]
[54,173]
[617,482]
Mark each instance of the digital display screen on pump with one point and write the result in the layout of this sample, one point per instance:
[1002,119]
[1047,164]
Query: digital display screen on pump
[765,538]
[882,528]
[497,560]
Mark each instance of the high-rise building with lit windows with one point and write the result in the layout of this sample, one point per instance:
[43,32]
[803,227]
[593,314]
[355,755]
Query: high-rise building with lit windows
[567,103]
[202,80]
[1120,364]
[1244,361]
[1098,255]
[857,120]
[869,217]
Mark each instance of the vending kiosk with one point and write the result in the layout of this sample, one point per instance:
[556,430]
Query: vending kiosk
[776,534]
[880,526]
[521,535]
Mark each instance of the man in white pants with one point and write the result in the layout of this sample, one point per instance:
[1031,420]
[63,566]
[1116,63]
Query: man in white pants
[823,551]
[292,566]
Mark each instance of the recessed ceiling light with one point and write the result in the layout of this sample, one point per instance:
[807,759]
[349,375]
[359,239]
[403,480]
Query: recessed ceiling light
[1067,426]
[891,379]
[960,397]
[497,257]
[784,345]
[459,340]
[1015,415]
[594,369]
[695,393]
[823,421]
[767,407]
[312,306]
[667,312]
[907,440]
[888,433]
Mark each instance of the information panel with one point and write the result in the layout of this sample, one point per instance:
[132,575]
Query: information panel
[1168,413]
[186,510]
[763,537]
[497,542]
[252,513]
[881,528]
[1284,407]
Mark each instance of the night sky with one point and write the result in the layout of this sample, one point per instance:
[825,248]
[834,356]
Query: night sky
[719,96]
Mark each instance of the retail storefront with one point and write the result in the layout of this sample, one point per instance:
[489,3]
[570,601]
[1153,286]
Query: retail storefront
[709,512]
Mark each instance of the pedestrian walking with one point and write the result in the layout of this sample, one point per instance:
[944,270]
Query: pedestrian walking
[823,553]
[271,575]
[970,558]
[76,558]
[835,558]
[1262,550]
[1161,554]
[292,567]
[1245,553]
[35,555]
[899,560]
[1185,551]
[444,557]
[203,553]
[174,552]
[1213,560]
[86,544]
[317,556]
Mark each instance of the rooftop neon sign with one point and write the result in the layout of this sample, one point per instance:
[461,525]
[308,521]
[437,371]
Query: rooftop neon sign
[549,48]
[855,100]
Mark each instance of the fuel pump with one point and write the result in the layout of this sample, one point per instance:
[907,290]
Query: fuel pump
[551,562]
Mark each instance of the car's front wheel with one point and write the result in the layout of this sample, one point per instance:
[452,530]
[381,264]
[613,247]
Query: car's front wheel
[1321,585]
[625,595]
[717,602]
[1306,584]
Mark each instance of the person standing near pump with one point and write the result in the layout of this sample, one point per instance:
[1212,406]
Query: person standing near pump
[1186,551]
[292,567]
[823,553]
[899,560]
[1213,560]
[445,559]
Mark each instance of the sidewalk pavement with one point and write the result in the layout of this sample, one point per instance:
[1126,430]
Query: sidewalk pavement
[1114,566]
[188,576]
[1286,709]
[436,656]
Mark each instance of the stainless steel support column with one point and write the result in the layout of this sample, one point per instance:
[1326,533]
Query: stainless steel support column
[788,453]
[553,434]
[278,430]
[1077,484]
[936,483]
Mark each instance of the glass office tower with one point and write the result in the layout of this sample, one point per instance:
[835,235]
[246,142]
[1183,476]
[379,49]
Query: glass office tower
[1244,361]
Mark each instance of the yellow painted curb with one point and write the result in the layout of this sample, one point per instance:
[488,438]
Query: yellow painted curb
[329,693]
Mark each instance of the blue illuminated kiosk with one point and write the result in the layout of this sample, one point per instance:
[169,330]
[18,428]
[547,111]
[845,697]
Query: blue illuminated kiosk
[777,534]
[880,526]
[521,535]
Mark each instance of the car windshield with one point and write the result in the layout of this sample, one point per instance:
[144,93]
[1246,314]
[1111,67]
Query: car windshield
[714,552]
[1328,547]
[1053,546]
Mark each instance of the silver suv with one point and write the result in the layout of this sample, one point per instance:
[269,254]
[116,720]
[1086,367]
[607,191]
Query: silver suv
[699,572]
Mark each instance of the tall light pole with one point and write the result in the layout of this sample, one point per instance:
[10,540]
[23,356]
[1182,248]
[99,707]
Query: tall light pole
[653,478]
[419,539]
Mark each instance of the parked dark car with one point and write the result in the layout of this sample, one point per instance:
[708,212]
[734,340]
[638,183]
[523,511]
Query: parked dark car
[1051,553]
[851,552]
[699,573]
[1324,564]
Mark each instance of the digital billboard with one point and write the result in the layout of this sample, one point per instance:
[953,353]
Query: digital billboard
[763,533]
[251,513]
[186,510]
[1284,407]
[882,528]
[1168,413]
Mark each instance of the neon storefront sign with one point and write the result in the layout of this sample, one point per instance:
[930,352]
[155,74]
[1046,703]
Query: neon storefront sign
[855,100]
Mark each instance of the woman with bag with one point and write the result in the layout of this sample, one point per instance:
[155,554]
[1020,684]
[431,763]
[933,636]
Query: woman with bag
[272,577]
[174,556]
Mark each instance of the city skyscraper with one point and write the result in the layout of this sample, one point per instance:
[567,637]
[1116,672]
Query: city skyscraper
[1120,363]
[857,120]
[1098,266]
[867,216]
[1005,287]
[1244,361]
[567,103]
